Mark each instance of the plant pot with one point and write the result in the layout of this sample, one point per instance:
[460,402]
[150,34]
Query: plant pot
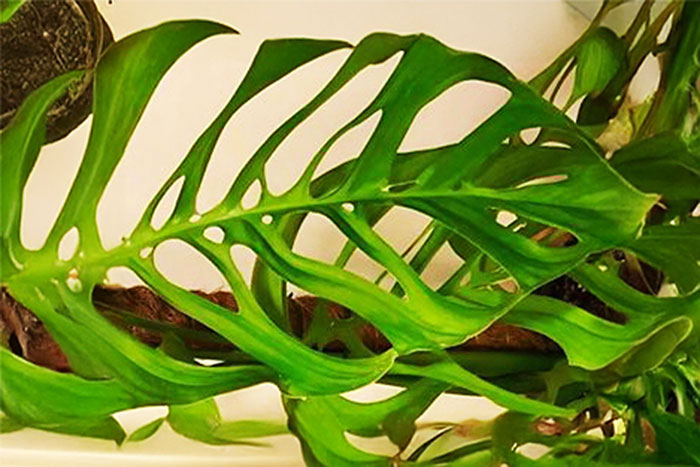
[44,39]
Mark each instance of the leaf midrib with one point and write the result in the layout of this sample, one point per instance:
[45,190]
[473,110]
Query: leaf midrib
[119,255]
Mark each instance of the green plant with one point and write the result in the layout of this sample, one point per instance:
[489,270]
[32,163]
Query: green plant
[575,213]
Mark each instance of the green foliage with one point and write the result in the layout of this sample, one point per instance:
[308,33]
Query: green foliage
[558,187]
[8,8]
[598,59]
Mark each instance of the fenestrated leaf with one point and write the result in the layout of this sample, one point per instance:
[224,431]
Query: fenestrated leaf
[20,144]
[443,369]
[574,328]
[394,417]
[458,186]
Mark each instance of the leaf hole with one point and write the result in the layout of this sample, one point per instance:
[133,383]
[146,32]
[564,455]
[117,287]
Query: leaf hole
[454,114]
[68,244]
[184,266]
[509,285]
[166,206]
[399,187]
[244,258]
[257,119]
[696,211]
[505,218]
[267,219]
[373,393]
[252,196]
[48,185]
[349,145]
[548,180]
[401,226]
[364,266]
[123,276]
[529,135]
[553,237]
[441,267]
[379,445]
[319,238]
[73,282]
[214,234]
[145,252]
[348,207]
[194,218]
[555,144]
[292,157]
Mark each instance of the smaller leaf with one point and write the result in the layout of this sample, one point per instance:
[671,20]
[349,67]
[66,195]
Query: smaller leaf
[146,431]
[8,8]
[8,425]
[202,421]
[173,346]
[598,59]
[247,429]
[106,428]
[677,438]
[654,351]
[400,426]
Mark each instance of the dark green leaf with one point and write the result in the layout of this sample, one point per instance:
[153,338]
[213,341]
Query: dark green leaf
[677,438]
[598,59]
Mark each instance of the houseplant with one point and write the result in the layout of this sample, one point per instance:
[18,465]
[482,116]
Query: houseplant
[593,206]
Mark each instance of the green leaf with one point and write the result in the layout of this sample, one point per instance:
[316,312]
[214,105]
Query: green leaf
[20,144]
[107,428]
[677,438]
[8,425]
[674,249]
[598,59]
[650,163]
[146,431]
[443,369]
[8,8]
[461,187]
[326,442]
[202,421]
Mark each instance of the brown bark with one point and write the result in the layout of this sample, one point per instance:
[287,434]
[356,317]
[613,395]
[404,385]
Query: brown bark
[34,342]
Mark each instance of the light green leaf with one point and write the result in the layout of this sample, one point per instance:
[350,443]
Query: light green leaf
[8,9]
[8,425]
[443,369]
[202,421]
[146,431]
[598,59]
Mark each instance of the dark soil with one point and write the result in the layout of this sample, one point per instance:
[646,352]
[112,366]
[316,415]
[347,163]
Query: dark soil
[146,316]
[32,341]
[42,40]
[566,289]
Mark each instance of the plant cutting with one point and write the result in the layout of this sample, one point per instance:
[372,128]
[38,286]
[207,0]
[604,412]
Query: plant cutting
[599,260]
